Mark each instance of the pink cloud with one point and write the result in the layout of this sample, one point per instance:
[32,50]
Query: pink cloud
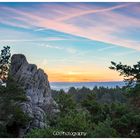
[105,32]
[85,12]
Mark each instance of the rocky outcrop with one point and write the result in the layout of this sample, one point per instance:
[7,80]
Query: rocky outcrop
[36,85]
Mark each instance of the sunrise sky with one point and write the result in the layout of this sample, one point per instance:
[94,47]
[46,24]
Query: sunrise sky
[73,42]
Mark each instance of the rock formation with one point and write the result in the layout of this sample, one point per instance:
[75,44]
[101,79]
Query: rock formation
[36,85]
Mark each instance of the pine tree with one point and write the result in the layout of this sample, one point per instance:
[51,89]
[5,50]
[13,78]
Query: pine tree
[4,63]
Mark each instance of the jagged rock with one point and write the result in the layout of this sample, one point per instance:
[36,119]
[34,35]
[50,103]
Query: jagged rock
[36,84]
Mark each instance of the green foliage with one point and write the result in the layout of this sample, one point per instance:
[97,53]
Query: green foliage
[132,76]
[65,102]
[90,104]
[42,133]
[12,117]
[93,107]
[97,119]
[4,62]
[70,119]
[69,123]
[103,118]
[3,131]
[100,112]
[103,95]
[74,122]
[128,125]
[104,130]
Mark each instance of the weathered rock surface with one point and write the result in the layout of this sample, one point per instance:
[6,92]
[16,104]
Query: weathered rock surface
[36,84]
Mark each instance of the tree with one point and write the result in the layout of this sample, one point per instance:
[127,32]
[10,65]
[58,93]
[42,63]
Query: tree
[72,90]
[4,62]
[128,124]
[104,130]
[66,103]
[94,108]
[131,74]
[70,123]
[12,118]
[75,122]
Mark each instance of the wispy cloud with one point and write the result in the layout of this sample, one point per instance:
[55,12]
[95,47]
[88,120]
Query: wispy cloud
[106,48]
[93,12]
[103,30]
[40,29]
[47,39]
[73,37]
[126,53]
[67,49]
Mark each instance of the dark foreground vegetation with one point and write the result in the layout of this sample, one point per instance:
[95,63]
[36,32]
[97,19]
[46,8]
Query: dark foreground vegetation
[12,118]
[100,112]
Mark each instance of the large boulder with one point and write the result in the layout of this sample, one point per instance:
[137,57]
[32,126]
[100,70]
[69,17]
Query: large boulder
[36,85]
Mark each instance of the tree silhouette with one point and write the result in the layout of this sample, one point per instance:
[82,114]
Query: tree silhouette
[132,76]
[131,73]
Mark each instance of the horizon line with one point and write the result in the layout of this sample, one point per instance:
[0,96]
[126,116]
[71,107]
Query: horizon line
[85,81]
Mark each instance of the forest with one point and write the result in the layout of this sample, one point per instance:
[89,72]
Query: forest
[97,113]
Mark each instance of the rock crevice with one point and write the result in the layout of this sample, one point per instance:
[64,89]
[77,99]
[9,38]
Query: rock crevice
[36,85]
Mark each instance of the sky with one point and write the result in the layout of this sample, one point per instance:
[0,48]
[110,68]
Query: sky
[73,42]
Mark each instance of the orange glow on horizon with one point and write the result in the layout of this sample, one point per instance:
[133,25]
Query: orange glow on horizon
[79,77]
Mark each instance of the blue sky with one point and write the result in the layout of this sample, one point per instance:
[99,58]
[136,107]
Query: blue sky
[73,41]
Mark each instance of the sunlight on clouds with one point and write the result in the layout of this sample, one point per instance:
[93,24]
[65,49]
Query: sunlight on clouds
[76,45]
[113,21]
[81,77]
[77,74]
[103,31]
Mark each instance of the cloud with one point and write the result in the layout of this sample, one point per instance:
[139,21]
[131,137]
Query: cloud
[104,30]
[82,13]
[126,53]
[14,24]
[34,40]
[40,29]
[52,47]
[106,48]
[67,49]
[56,38]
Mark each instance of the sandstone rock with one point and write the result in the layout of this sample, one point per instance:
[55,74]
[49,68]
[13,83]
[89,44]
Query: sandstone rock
[36,84]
